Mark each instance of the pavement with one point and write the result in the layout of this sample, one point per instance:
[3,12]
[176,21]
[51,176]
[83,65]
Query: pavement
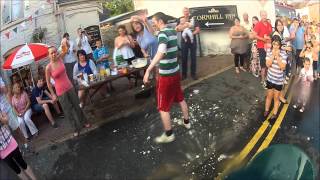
[226,113]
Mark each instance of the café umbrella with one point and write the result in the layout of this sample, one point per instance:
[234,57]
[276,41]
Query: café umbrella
[26,55]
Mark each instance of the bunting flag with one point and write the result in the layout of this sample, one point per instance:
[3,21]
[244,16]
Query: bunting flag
[15,29]
[7,34]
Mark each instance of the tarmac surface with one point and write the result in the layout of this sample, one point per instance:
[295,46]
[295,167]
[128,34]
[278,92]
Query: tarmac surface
[225,112]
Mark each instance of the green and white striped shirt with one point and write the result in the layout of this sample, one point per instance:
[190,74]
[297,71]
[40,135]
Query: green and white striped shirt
[169,64]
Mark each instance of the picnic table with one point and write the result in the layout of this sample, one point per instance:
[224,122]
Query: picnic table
[96,85]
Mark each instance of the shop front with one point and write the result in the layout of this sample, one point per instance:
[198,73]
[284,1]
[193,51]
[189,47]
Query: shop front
[214,17]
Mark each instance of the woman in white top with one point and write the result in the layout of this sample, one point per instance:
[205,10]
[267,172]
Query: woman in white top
[124,43]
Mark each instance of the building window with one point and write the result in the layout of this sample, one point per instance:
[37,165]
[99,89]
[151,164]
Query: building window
[12,10]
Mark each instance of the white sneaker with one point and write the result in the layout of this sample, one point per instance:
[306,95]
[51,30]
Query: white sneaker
[287,78]
[285,82]
[187,126]
[302,109]
[164,138]
[295,106]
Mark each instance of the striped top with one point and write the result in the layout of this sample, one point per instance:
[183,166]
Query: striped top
[275,74]
[169,64]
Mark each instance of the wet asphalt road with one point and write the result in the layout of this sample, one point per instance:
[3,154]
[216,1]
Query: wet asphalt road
[224,115]
[303,129]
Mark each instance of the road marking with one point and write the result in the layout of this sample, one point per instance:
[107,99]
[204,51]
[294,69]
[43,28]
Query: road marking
[275,127]
[247,149]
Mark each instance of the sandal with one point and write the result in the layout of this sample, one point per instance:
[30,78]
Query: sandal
[244,70]
[87,125]
[76,134]
[265,114]
[273,118]
[283,101]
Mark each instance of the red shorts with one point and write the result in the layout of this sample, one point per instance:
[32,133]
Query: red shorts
[168,91]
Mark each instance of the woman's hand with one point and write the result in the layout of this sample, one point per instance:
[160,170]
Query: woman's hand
[54,98]
[3,118]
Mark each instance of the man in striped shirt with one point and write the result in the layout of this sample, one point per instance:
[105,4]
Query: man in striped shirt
[168,85]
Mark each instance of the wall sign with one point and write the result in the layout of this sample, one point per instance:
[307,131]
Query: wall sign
[213,17]
[94,33]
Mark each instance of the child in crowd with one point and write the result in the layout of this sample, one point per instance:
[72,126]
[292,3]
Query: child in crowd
[305,80]
[307,52]
[186,33]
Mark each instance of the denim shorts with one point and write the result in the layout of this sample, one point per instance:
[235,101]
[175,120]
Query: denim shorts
[37,108]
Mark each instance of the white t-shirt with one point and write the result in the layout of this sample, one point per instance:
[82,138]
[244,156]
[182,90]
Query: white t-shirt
[85,44]
[70,57]
[247,26]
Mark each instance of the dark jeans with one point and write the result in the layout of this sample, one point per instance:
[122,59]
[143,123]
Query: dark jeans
[185,52]
[239,58]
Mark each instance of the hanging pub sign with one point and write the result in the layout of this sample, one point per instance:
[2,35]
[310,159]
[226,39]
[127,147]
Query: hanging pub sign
[213,17]
[94,33]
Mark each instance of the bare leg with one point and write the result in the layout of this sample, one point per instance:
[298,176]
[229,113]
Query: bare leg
[268,99]
[57,108]
[263,74]
[30,173]
[276,101]
[22,176]
[165,117]
[48,113]
[81,96]
[184,109]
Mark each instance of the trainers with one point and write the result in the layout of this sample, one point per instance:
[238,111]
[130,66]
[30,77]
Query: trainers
[285,81]
[295,106]
[187,126]
[164,138]
[287,78]
[302,109]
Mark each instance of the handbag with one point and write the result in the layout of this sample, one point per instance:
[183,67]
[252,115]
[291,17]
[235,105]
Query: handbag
[118,59]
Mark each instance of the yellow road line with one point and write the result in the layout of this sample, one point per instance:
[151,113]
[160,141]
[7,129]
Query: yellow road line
[275,127]
[247,149]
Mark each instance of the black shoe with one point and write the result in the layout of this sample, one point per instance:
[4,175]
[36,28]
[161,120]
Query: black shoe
[55,125]
[61,115]
[273,119]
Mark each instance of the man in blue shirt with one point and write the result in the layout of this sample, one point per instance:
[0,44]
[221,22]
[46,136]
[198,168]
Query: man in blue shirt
[101,55]
[297,35]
